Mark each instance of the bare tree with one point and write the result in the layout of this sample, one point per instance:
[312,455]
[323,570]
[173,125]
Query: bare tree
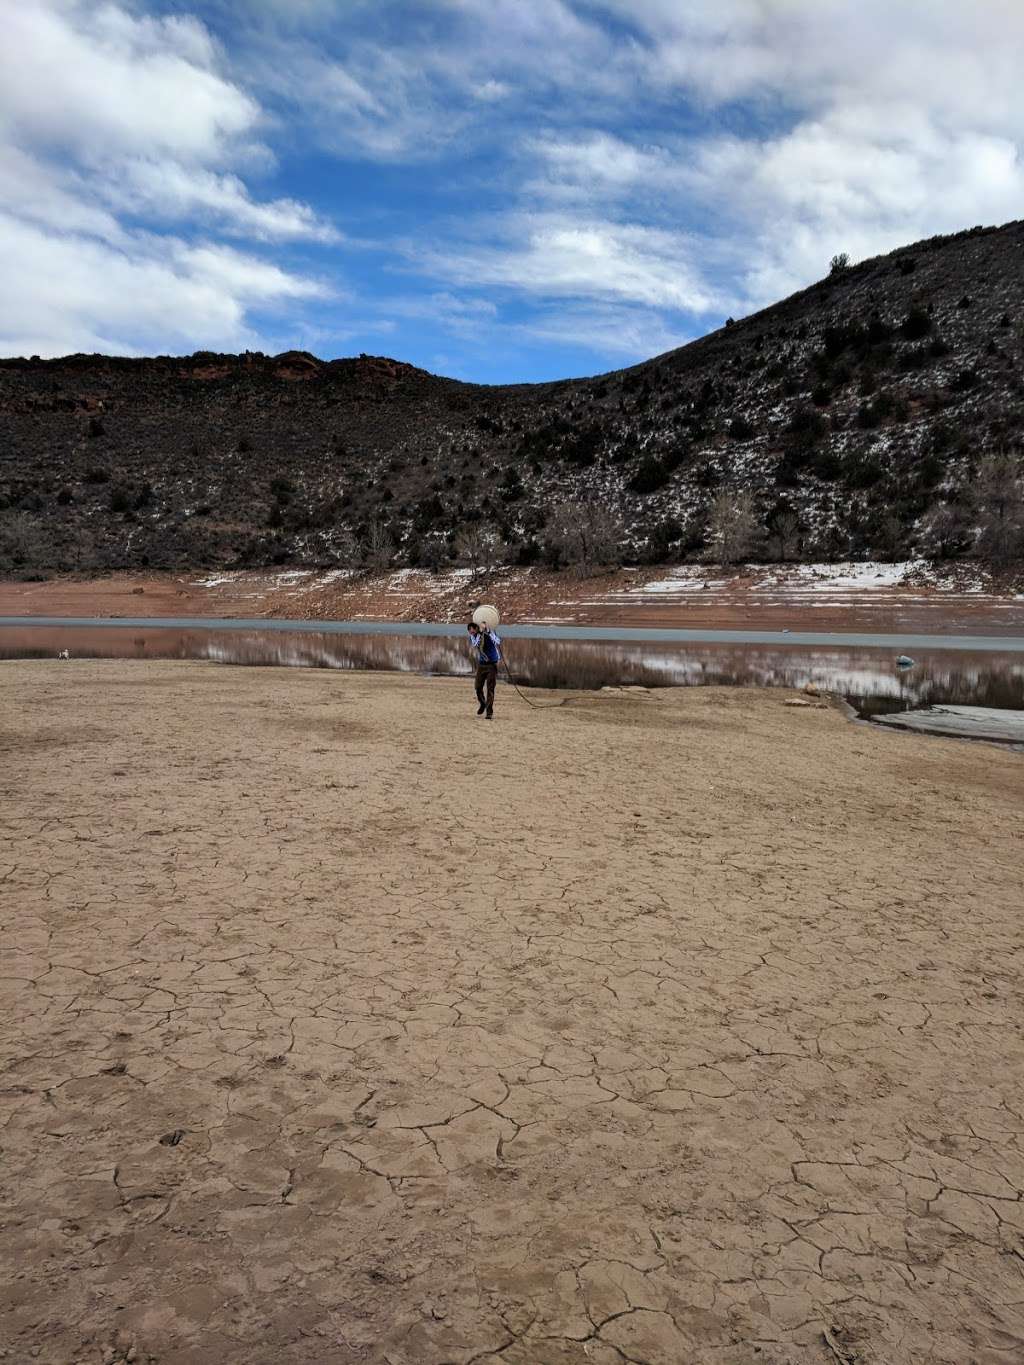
[587,537]
[734,525]
[839,262]
[784,538]
[949,529]
[891,538]
[479,546]
[344,548]
[21,541]
[1001,508]
[378,546]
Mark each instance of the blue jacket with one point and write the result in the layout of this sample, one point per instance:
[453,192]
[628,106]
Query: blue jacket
[488,647]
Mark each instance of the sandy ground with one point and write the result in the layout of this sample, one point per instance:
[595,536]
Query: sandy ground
[345,1027]
[799,597]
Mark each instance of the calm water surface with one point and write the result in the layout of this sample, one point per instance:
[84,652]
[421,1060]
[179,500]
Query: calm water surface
[866,674]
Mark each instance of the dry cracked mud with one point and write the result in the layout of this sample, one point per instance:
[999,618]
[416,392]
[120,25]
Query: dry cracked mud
[343,1027]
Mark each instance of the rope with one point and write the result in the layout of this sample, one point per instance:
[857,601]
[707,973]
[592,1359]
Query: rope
[537,705]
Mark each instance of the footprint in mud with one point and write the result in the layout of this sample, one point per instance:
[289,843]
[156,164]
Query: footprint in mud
[279,1060]
[172,1139]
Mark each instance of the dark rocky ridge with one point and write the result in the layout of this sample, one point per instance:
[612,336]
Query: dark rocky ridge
[864,407]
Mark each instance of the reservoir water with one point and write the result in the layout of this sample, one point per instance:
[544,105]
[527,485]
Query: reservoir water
[961,670]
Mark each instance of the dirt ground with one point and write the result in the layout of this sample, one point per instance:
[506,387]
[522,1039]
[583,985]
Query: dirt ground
[344,1027]
[767,598]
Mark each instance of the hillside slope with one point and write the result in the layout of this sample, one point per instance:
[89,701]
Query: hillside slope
[877,412]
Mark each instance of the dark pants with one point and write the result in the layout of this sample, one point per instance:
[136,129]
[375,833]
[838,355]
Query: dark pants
[486,676]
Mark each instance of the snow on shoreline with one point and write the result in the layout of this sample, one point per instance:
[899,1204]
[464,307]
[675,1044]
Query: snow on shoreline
[821,585]
[869,574]
[806,581]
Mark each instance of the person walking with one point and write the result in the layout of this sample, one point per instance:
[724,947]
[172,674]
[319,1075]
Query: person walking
[486,646]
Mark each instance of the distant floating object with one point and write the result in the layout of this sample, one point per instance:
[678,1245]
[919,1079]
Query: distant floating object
[904,661]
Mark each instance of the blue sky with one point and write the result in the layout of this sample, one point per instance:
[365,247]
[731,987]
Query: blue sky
[499,190]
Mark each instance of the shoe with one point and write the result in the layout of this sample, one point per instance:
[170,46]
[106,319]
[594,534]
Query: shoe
[481,709]
[490,715]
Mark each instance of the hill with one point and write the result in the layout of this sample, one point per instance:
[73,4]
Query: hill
[878,412]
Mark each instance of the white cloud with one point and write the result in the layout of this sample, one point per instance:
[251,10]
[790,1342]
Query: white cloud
[81,76]
[621,333]
[626,169]
[373,102]
[33,191]
[807,54]
[855,127]
[491,89]
[598,163]
[171,191]
[461,316]
[557,255]
[69,292]
[388,84]
[848,182]
[895,123]
[109,118]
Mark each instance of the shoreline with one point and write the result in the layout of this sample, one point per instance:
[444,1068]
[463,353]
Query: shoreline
[593,633]
[859,598]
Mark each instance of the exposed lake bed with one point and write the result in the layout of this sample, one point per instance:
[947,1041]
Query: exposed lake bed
[563,1020]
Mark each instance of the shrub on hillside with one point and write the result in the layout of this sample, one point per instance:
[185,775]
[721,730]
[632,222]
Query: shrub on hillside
[649,476]
[916,325]
[861,472]
[806,427]
[741,429]
[877,331]
[884,406]
[663,540]
[581,447]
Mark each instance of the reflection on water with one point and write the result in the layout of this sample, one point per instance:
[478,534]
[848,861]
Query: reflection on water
[868,677]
